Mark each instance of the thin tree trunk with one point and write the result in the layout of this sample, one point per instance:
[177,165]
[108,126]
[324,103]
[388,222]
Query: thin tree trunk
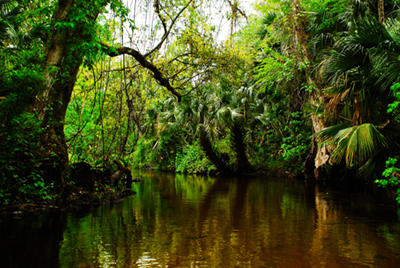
[381,11]
[129,103]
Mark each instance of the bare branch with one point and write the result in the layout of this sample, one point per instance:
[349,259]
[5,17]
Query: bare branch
[235,8]
[166,32]
[179,72]
[157,10]
[195,87]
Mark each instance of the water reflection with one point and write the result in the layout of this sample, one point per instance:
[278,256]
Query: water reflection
[193,221]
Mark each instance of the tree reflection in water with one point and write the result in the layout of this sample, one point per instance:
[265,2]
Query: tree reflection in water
[194,221]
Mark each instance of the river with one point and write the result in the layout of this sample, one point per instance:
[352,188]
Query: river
[196,221]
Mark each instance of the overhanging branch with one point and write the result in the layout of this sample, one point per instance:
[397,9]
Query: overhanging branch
[157,74]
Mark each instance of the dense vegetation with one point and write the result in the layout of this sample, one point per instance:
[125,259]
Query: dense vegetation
[299,88]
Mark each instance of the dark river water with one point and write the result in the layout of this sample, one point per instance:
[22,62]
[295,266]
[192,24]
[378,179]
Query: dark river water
[194,221]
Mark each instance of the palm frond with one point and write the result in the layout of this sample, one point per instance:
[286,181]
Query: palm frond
[322,40]
[6,6]
[355,144]
[385,57]
[343,59]
[267,20]
[227,115]
[9,10]
[392,27]
[329,133]
[376,162]
[369,33]
[386,68]
[361,8]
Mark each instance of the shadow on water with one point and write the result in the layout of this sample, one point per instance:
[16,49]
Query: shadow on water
[195,221]
[31,242]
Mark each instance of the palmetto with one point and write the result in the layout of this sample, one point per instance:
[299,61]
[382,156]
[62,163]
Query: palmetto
[209,117]
[362,66]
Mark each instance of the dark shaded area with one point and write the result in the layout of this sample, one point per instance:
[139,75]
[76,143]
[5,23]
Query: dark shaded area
[33,241]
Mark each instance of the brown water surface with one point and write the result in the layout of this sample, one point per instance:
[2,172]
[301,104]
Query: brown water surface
[194,221]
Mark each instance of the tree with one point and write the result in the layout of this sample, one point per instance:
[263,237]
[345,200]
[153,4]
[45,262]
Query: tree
[67,36]
[360,70]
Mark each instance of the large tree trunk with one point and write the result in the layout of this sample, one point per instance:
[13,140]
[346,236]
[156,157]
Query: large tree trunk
[320,155]
[62,65]
[72,27]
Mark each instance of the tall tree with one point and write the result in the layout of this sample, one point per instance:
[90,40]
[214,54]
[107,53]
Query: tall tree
[72,39]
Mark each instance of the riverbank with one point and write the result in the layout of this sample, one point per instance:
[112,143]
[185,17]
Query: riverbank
[76,201]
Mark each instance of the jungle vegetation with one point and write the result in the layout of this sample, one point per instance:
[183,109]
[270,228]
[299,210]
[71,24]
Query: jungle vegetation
[306,88]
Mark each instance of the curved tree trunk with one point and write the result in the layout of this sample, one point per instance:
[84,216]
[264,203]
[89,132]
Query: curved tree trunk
[243,165]
[213,156]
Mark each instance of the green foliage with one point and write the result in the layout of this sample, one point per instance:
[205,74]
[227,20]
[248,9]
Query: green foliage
[394,106]
[160,153]
[392,177]
[191,159]
[358,67]
[140,157]
[287,144]
[296,145]
[19,87]
[169,144]
[392,172]
[244,101]
[21,151]
[21,161]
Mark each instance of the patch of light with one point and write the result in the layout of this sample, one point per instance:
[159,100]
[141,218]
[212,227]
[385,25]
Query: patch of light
[147,260]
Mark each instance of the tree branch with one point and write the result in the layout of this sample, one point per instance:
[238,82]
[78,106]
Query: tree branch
[235,8]
[166,32]
[157,74]
[157,10]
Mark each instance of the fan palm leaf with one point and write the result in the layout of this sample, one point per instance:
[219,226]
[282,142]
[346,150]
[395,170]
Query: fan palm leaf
[6,6]
[356,145]
[376,162]
[385,57]
[368,33]
[267,20]
[227,115]
[360,69]
[9,10]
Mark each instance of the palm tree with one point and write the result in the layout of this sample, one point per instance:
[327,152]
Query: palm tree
[198,117]
[8,11]
[211,116]
[360,70]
